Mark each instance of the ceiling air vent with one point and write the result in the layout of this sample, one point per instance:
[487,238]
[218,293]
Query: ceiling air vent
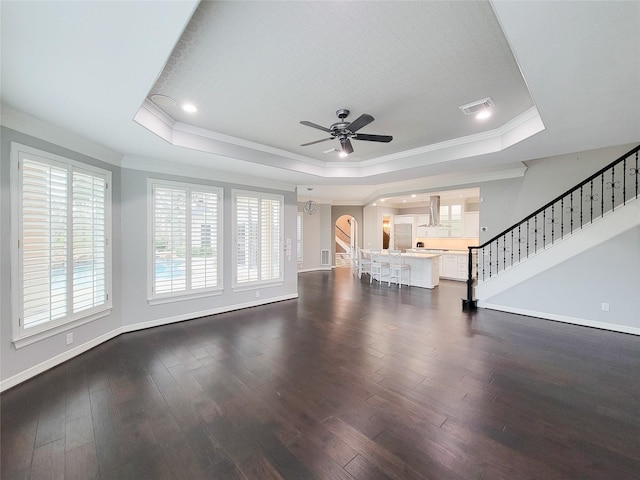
[475,107]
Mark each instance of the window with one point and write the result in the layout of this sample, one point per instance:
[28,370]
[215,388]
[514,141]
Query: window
[299,238]
[257,218]
[450,220]
[61,224]
[186,240]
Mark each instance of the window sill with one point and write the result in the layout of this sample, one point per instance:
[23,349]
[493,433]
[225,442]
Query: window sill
[257,285]
[31,338]
[182,298]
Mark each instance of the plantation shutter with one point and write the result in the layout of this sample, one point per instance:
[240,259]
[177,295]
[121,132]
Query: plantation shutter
[204,240]
[170,239]
[247,239]
[45,227]
[270,235]
[62,215]
[258,224]
[89,241]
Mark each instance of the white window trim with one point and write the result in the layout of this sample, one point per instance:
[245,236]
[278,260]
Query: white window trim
[20,336]
[158,299]
[245,286]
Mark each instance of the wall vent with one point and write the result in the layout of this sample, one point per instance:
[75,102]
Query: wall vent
[324,258]
[475,107]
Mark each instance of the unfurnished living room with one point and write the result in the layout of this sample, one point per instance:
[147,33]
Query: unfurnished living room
[320,240]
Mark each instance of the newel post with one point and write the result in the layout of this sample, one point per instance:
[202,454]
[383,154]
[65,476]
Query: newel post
[469,304]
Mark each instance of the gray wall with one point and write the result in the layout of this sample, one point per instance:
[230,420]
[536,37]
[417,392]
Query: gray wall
[609,272]
[575,289]
[130,252]
[135,254]
[316,236]
[356,211]
[14,361]
[506,202]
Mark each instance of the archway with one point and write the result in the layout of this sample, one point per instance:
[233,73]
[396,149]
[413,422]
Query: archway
[346,239]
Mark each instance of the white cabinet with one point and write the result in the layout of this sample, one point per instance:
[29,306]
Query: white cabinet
[471,224]
[449,266]
[403,219]
[422,230]
[463,267]
[453,266]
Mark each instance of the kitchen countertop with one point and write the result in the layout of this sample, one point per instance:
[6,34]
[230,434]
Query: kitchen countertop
[425,254]
[439,251]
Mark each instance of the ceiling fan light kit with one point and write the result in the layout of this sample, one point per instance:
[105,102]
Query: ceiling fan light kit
[345,131]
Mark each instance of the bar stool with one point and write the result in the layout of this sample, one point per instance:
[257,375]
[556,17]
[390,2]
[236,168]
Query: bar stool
[397,268]
[379,266]
[363,263]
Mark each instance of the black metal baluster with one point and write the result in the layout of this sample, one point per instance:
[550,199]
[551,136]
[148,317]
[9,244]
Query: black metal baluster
[591,202]
[535,233]
[581,203]
[528,238]
[602,194]
[553,226]
[511,248]
[571,212]
[519,241]
[636,174]
[613,188]
[624,181]
[490,261]
[562,218]
[544,228]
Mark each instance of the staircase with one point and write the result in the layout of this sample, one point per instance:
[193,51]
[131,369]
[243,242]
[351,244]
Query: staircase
[598,210]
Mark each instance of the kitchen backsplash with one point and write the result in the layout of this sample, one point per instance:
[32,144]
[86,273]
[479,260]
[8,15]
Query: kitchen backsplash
[448,243]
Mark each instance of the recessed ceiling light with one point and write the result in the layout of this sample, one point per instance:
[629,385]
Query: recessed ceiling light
[163,100]
[382,199]
[189,108]
[404,201]
[342,154]
[374,204]
[413,196]
[483,114]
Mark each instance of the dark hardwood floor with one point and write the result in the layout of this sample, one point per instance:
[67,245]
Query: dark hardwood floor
[350,381]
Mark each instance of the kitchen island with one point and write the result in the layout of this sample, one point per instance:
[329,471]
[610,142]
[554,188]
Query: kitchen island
[425,268]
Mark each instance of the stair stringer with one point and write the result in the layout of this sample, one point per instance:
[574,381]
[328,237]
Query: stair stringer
[612,224]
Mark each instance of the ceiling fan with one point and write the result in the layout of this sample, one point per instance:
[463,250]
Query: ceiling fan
[345,131]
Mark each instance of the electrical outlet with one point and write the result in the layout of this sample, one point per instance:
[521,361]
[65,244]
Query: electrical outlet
[605,307]
[69,338]
[257,293]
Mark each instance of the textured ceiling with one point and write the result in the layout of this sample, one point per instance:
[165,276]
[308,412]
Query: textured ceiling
[256,69]
[76,74]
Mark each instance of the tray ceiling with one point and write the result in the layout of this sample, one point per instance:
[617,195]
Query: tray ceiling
[80,74]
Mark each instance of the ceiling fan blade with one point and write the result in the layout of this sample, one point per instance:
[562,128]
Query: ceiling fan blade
[317,141]
[361,121]
[373,138]
[346,146]
[315,125]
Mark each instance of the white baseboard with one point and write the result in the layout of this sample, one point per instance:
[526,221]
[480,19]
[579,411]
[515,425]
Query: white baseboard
[562,318]
[204,313]
[57,360]
[74,352]
[316,269]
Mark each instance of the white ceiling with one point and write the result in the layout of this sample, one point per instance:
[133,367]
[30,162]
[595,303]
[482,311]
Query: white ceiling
[255,69]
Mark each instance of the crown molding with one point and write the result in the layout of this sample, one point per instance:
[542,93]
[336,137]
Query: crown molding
[155,120]
[152,165]
[25,123]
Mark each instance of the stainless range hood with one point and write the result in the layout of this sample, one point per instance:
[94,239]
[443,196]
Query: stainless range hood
[434,212]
